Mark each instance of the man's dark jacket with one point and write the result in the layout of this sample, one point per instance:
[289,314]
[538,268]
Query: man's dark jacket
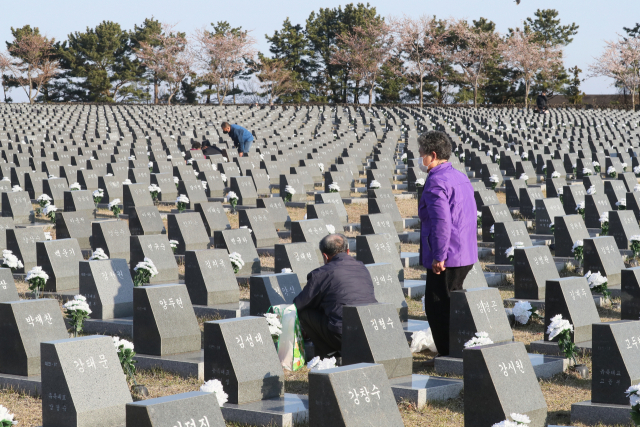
[541,101]
[342,281]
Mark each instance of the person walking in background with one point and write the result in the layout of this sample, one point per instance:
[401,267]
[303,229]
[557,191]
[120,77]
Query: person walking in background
[242,138]
[541,102]
[448,231]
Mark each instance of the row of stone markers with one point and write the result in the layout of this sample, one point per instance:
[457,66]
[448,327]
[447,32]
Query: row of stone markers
[314,158]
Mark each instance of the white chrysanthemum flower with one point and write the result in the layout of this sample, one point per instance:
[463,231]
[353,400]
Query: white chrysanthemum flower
[611,170]
[592,190]
[595,164]
[579,205]
[47,235]
[6,417]
[78,303]
[375,184]
[223,177]
[420,182]
[113,203]
[554,174]
[37,272]
[16,188]
[132,157]
[247,228]
[109,174]
[557,326]
[44,198]
[236,260]
[604,217]
[275,327]
[10,260]
[204,184]
[494,178]
[286,270]
[232,195]
[520,418]
[587,171]
[126,182]
[595,279]
[153,188]
[635,238]
[317,364]
[98,193]
[215,386]
[511,251]
[169,157]
[491,230]
[48,209]
[176,180]
[334,186]
[6,178]
[321,167]
[148,265]
[290,190]
[524,156]
[576,245]
[522,312]
[190,161]
[150,164]
[75,187]
[182,199]
[173,243]
[481,338]
[98,254]
[183,154]
[621,202]
[524,176]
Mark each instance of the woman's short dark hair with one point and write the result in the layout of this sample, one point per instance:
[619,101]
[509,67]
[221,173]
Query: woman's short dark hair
[195,145]
[437,141]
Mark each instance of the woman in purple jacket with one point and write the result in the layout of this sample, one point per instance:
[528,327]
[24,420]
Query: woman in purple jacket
[448,233]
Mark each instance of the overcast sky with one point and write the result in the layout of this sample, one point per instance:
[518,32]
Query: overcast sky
[598,20]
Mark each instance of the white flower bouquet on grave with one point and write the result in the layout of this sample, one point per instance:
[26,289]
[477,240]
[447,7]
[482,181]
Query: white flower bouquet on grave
[275,326]
[523,311]
[289,191]
[150,166]
[592,190]
[524,177]
[126,354]
[232,197]
[75,187]
[236,261]
[114,206]
[462,155]
[174,245]
[52,176]
[43,200]
[176,181]
[633,393]
[492,232]
[204,184]
[420,182]
[98,255]
[518,420]
[247,228]
[574,166]
[223,177]
[50,211]
[554,174]
[321,167]
[481,338]
[580,208]
[611,172]
[604,223]
[6,178]
[635,244]
[6,419]
[598,283]
[126,182]
[224,159]
[47,235]
[190,161]
[624,167]
[494,180]
[154,189]
[132,157]
[16,188]
[317,364]
[97,196]
[334,187]
[587,172]
[215,386]
[596,166]
[374,184]
[621,204]
[286,270]
[331,229]
[479,218]
[36,278]
[511,252]
[11,261]
[636,170]
[77,310]
[562,329]
[181,203]
[552,228]
[145,271]
[578,250]
[169,157]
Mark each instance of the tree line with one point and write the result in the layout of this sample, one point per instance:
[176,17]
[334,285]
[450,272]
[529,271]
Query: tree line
[347,54]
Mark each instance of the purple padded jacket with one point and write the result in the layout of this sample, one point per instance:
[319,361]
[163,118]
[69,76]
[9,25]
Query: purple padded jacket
[448,216]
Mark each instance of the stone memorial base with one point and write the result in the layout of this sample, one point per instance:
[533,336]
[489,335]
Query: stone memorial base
[28,385]
[223,311]
[413,288]
[590,413]
[538,304]
[543,366]
[122,327]
[409,259]
[64,296]
[420,389]
[184,364]
[278,412]
[551,347]
[500,268]
[411,326]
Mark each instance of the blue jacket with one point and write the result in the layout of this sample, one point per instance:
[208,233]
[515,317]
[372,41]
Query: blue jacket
[240,137]
[342,281]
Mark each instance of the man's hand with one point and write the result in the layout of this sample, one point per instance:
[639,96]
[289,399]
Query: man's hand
[240,154]
[438,266]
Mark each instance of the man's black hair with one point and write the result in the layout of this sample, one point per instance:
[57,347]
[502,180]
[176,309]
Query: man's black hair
[334,244]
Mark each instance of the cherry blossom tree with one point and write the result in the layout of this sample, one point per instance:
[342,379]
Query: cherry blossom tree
[35,63]
[476,48]
[621,62]
[276,79]
[221,56]
[363,51]
[422,42]
[529,57]
[169,56]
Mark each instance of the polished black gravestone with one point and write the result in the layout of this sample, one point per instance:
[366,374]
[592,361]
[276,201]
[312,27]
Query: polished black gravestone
[272,290]
[25,324]
[5,224]
[8,290]
[630,298]
[601,254]
[388,206]
[74,225]
[113,237]
[263,230]
[209,277]
[59,259]
[108,288]
[485,198]
[622,226]
[571,196]
[239,240]
[277,211]
[377,248]
[164,322]
[512,190]
[490,215]
[379,224]
[137,195]
[145,221]
[499,380]
[595,206]
[22,242]
[244,189]
[300,257]
[568,229]
[546,212]
[328,213]
[17,205]
[188,230]
[191,409]
[373,334]
[79,201]
[387,288]
[309,230]
[213,217]
[533,266]
[336,200]
[72,369]
[194,191]
[158,250]
[507,234]
[352,396]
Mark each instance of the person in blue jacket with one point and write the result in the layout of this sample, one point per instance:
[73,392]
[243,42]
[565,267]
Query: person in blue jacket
[242,138]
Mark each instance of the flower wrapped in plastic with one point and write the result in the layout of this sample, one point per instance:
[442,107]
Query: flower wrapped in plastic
[554,174]
[144,271]
[50,211]
[592,190]
[604,223]
[97,196]
[126,182]
[524,177]
[331,229]
[6,418]
[16,188]
[633,393]
[621,204]
[420,182]
[611,172]
[596,166]
[580,208]
[578,250]
[635,244]
[43,200]
[176,181]
[317,364]
[98,254]
[494,180]
[404,158]
[233,200]
[523,311]
[275,326]
[587,172]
